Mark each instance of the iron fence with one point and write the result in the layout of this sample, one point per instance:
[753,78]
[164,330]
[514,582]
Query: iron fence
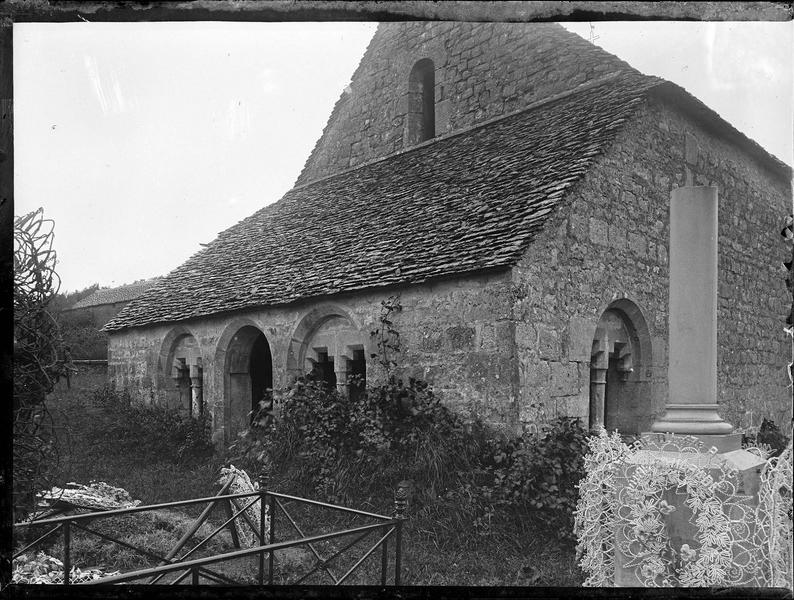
[273,510]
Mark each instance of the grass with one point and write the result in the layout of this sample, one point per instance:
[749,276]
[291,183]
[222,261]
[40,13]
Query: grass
[87,454]
[439,547]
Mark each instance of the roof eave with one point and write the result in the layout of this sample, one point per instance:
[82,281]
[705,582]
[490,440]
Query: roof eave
[321,297]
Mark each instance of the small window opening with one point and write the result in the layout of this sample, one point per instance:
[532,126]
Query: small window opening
[422,102]
[357,374]
[324,368]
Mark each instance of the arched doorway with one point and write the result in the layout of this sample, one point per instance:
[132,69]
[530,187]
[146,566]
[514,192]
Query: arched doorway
[620,388]
[248,375]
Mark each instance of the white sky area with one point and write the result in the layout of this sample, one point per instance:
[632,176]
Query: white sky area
[143,140]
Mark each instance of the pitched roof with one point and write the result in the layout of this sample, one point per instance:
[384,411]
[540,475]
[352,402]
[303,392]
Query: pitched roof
[465,202]
[122,293]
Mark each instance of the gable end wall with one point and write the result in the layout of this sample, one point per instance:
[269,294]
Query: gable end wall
[610,240]
[482,71]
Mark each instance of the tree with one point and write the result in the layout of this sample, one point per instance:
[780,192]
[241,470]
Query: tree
[38,356]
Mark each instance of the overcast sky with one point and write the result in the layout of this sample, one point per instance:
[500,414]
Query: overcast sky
[144,140]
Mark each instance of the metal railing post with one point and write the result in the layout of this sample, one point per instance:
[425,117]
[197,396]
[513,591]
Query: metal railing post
[272,538]
[384,559]
[262,515]
[400,506]
[67,547]
[398,540]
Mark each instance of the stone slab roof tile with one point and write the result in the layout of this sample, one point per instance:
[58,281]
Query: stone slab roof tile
[465,202]
[121,293]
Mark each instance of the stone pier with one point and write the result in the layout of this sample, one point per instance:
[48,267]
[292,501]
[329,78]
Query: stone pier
[691,408]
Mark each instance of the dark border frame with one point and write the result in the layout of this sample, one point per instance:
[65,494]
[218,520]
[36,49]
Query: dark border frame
[25,11]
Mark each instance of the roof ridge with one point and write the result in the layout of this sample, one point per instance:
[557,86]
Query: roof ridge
[583,87]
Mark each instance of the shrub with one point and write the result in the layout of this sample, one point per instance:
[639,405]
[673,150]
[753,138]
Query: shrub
[767,437]
[770,436]
[541,473]
[81,333]
[462,474]
[403,432]
[352,449]
[150,431]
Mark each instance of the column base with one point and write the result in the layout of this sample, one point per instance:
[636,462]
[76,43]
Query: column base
[727,442]
[691,419]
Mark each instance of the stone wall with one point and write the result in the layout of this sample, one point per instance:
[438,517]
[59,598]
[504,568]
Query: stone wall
[609,241]
[515,347]
[456,334]
[482,71]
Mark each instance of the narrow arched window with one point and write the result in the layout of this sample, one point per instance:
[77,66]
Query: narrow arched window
[422,102]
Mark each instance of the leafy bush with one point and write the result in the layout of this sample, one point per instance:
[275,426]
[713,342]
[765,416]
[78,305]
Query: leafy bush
[82,335]
[403,432]
[769,436]
[352,449]
[355,451]
[540,473]
[151,431]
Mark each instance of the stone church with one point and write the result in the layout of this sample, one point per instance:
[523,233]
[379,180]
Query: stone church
[510,183]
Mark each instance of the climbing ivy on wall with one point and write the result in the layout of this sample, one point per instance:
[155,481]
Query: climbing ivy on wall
[386,336]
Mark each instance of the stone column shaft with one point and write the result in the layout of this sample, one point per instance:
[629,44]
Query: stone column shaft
[196,391]
[341,363]
[692,367]
[598,384]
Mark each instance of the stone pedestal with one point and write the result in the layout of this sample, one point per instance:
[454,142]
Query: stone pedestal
[680,524]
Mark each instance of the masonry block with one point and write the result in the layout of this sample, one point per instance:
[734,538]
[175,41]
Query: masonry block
[549,346]
[564,380]
[460,338]
[579,338]
[598,232]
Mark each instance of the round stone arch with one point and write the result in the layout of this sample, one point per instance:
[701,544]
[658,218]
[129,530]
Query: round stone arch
[244,363]
[180,370]
[620,370]
[330,343]
[431,52]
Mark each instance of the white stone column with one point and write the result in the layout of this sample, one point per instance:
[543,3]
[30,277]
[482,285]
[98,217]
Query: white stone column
[180,375]
[341,362]
[692,369]
[196,390]
[692,372]
[599,363]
